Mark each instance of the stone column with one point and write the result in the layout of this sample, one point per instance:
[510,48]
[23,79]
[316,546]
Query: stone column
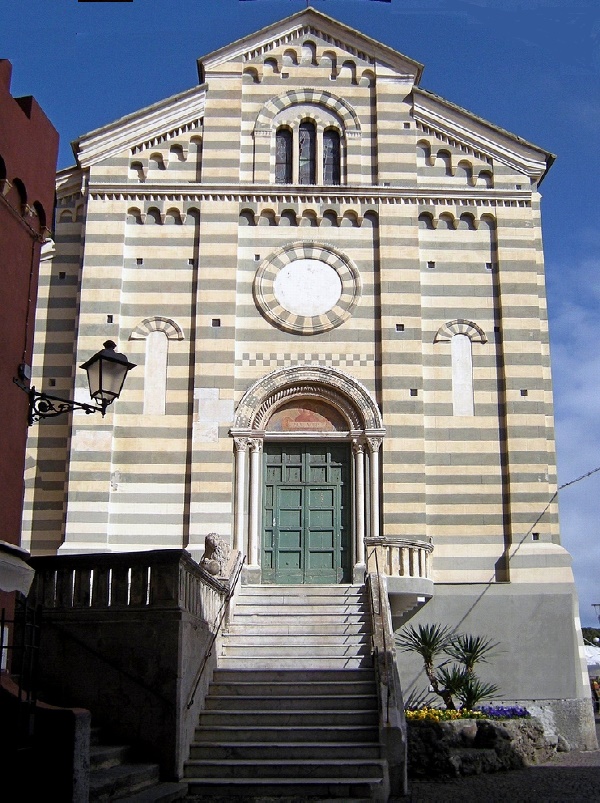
[374,444]
[262,154]
[358,450]
[354,167]
[255,487]
[241,447]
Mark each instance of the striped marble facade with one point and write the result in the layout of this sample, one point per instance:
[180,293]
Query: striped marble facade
[169,233]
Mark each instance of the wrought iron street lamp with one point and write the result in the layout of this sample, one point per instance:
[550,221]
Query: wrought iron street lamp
[106,372]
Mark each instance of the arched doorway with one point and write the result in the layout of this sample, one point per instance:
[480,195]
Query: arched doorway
[307,476]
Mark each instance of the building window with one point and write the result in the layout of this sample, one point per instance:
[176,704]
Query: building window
[307,141]
[331,157]
[283,156]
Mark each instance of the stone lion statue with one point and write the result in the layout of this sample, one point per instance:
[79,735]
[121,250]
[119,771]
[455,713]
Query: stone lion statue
[216,554]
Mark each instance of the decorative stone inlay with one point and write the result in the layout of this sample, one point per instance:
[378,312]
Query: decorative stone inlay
[340,389]
[319,97]
[289,299]
[157,324]
[460,326]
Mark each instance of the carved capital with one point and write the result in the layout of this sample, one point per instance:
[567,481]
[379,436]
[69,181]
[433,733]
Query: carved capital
[358,447]
[374,444]
[256,445]
[242,444]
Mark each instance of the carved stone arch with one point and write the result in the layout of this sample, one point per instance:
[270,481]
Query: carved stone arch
[460,326]
[336,387]
[337,106]
[157,324]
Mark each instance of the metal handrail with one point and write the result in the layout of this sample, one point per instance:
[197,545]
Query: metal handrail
[217,627]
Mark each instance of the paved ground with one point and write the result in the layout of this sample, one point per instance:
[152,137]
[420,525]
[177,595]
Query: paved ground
[566,777]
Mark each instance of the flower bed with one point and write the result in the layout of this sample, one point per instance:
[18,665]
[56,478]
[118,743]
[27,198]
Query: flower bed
[496,712]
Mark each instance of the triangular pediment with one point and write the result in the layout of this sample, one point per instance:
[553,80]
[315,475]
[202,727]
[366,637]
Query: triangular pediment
[166,118]
[184,112]
[458,126]
[318,26]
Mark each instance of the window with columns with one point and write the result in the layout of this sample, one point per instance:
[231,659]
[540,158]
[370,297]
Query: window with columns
[308,154]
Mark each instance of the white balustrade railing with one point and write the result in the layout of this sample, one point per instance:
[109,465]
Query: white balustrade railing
[395,556]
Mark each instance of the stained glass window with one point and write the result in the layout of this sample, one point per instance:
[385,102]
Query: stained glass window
[283,156]
[307,149]
[331,157]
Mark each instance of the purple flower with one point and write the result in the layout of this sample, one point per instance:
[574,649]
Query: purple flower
[504,711]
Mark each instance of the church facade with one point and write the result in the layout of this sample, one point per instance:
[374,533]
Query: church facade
[332,283]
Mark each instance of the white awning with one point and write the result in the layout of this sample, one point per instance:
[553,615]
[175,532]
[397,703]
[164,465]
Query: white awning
[592,657]
[15,573]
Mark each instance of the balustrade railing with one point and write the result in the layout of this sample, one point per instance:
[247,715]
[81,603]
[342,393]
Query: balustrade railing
[155,579]
[399,557]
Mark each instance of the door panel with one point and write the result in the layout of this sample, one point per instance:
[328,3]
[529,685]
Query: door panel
[306,522]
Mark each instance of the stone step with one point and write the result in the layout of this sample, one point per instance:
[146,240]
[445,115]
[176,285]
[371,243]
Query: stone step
[282,688]
[123,779]
[290,703]
[337,608]
[278,788]
[266,751]
[301,620]
[286,734]
[284,768]
[283,650]
[105,756]
[159,793]
[287,717]
[237,639]
[277,628]
[311,604]
[303,589]
[322,661]
[292,675]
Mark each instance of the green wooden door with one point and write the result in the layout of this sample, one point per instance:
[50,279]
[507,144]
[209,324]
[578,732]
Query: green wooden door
[306,514]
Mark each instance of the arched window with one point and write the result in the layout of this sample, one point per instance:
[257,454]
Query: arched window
[331,157]
[307,148]
[283,156]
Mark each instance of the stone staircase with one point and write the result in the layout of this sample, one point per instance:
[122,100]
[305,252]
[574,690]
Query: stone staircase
[292,709]
[116,773]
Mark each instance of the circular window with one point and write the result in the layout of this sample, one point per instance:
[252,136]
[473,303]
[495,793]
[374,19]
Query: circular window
[307,288]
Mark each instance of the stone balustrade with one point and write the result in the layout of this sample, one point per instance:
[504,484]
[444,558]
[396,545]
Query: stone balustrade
[406,564]
[161,578]
[135,636]
[395,556]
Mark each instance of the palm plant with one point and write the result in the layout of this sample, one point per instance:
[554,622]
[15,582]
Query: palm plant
[473,691]
[456,681]
[471,650]
[429,641]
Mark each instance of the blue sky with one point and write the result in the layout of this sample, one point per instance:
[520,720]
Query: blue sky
[530,66]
